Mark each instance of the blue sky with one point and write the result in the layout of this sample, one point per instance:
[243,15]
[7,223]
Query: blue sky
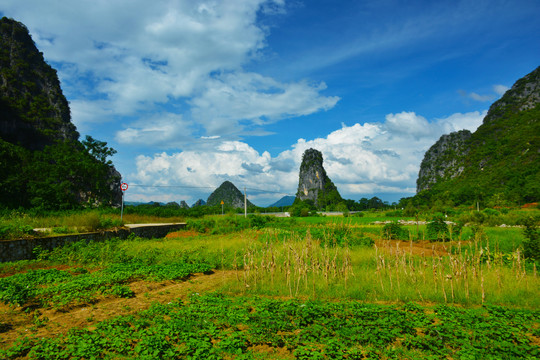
[193,93]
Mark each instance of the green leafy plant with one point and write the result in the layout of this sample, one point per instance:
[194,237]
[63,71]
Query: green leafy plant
[531,245]
[437,229]
[393,231]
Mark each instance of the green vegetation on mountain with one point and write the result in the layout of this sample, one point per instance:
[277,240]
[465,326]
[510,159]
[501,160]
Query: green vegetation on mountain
[498,164]
[229,194]
[42,163]
[314,186]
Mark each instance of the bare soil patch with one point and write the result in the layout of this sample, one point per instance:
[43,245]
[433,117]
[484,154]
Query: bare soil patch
[181,234]
[421,248]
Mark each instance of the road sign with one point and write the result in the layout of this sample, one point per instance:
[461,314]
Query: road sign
[124,186]
[222,202]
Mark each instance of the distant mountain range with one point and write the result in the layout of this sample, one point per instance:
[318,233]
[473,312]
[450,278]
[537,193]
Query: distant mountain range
[284,201]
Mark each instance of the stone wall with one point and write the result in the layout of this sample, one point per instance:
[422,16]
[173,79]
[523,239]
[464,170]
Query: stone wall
[22,249]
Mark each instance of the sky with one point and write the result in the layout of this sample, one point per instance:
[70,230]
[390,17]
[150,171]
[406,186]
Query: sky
[192,93]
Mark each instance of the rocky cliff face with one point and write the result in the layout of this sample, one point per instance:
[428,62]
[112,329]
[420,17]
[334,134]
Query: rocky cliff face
[42,162]
[314,184]
[524,95]
[229,194]
[498,163]
[33,110]
[444,160]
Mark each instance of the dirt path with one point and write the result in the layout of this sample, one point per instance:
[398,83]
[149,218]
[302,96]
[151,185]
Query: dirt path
[146,293]
[421,248]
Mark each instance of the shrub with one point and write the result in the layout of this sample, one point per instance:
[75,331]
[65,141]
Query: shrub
[531,244]
[393,231]
[437,229]
[201,226]
[456,228]
[258,221]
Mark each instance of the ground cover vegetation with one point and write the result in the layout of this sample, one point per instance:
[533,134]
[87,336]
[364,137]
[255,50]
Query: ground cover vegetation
[305,288]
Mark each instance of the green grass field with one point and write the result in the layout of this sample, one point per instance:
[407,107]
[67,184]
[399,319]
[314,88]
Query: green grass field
[309,288]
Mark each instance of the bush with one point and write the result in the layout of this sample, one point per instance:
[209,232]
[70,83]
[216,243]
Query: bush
[456,228]
[201,226]
[258,221]
[12,231]
[531,244]
[437,229]
[393,231]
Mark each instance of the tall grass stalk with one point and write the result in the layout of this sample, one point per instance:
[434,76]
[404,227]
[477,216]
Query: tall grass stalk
[470,274]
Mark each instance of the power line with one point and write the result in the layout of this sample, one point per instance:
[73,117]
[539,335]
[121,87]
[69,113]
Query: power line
[203,187]
[173,186]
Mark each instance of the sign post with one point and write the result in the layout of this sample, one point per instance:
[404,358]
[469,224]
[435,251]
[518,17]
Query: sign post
[124,187]
[222,207]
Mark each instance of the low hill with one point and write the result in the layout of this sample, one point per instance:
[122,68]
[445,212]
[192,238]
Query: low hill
[229,194]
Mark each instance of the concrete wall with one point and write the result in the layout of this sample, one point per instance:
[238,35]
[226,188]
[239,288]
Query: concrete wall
[14,250]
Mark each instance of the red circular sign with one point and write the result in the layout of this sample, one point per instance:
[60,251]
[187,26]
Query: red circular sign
[124,186]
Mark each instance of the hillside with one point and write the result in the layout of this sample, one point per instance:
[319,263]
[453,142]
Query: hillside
[229,194]
[42,162]
[444,160]
[499,163]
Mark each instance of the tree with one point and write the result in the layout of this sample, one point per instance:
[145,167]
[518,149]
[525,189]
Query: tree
[66,174]
[98,149]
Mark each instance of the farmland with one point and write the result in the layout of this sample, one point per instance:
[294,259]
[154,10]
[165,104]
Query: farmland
[269,288]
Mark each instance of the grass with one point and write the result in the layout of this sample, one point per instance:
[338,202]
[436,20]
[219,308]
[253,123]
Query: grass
[19,225]
[303,273]
[15,225]
[297,257]
[301,267]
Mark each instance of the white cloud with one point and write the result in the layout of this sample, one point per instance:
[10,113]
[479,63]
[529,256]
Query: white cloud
[136,57]
[459,121]
[361,159]
[234,97]
[408,123]
[482,98]
[500,89]
[165,130]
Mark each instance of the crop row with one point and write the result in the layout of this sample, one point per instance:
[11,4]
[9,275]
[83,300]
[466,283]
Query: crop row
[58,288]
[217,327]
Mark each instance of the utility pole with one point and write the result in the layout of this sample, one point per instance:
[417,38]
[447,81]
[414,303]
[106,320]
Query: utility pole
[245,202]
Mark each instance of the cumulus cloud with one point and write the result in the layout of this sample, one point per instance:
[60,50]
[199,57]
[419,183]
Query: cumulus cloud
[361,159]
[134,58]
[258,100]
